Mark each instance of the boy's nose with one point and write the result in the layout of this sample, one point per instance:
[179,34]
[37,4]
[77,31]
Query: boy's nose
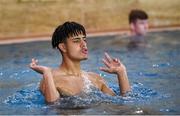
[146,26]
[83,43]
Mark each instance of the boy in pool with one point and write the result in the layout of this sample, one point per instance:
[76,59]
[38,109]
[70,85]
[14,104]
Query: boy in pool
[68,79]
[138,21]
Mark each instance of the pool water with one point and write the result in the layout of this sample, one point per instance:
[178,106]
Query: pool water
[153,74]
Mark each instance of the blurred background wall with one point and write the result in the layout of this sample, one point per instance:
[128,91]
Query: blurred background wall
[40,17]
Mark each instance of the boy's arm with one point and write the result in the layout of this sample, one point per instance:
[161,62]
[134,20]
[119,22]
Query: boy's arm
[47,85]
[114,66]
[123,81]
[50,92]
[101,84]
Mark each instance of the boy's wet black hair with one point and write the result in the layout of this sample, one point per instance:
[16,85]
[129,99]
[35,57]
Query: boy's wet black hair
[66,30]
[137,14]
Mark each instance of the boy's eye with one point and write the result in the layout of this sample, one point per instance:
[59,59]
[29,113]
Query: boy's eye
[85,40]
[77,40]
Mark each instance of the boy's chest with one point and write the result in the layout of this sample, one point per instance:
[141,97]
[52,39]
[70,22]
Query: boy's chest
[69,86]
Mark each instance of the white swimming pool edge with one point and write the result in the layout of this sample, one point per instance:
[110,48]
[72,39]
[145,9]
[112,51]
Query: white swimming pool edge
[89,34]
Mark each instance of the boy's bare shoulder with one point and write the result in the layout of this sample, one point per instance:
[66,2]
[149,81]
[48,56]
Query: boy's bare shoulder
[94,75]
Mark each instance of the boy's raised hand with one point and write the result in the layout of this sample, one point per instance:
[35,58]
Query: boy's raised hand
[113,65]
[38,68]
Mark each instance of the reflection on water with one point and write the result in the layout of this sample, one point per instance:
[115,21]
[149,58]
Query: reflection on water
[153,74]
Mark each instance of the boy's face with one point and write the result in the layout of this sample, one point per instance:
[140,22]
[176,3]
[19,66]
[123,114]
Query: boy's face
[140,27]
[76,47]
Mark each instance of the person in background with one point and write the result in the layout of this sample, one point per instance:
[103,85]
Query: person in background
[69,79]
[138,21]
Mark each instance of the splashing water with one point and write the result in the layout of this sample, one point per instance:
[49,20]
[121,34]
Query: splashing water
[87,88]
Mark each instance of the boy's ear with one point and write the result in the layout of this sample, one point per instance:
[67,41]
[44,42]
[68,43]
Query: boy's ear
[132,26]
[62,47]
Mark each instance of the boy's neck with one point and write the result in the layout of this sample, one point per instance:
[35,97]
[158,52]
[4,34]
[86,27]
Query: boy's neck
[71,68]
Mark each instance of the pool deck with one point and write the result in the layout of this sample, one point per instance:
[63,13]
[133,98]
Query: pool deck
[45,37]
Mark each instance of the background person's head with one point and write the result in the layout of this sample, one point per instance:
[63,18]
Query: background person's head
[138,20]
[70,39]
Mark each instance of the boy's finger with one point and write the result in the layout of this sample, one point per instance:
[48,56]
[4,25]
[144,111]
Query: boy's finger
[106,63]
[103,69]
[107,56]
